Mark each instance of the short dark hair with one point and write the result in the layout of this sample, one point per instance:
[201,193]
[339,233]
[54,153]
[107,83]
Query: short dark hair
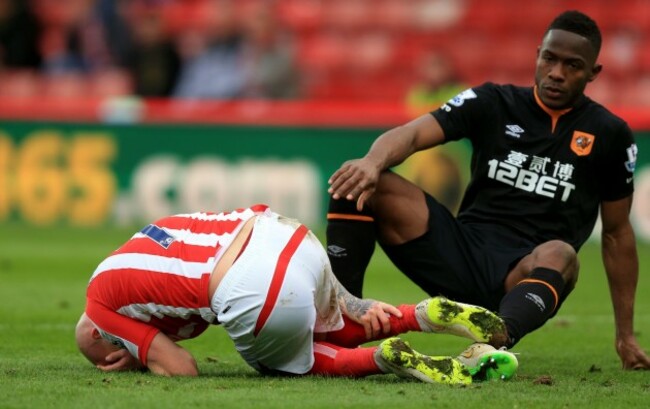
[578,23]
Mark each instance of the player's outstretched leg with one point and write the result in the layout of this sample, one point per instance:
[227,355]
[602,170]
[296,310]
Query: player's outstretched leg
[485,363]
[441,315]
[396,356]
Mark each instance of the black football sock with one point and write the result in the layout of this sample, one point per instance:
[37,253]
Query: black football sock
[563,297]
[531,302]
[350,243]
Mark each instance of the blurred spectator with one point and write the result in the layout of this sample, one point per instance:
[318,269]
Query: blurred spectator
[229,49]
[269,57]
[19,34]
[153,61]
[113,16]
[73,37]
[436,85]
[211,52]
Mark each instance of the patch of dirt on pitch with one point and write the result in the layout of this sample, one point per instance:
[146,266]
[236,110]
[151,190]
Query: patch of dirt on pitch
[544,380]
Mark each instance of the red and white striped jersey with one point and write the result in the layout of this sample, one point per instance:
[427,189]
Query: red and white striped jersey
[158,280]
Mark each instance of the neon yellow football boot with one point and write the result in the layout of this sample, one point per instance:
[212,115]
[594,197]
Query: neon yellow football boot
[396,356]
[441,315]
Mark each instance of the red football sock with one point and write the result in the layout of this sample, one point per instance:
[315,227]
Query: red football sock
[408,322]
[352,334]
[332,360]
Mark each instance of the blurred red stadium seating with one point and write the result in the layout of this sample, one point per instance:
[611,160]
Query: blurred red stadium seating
[492,41]
[367,49]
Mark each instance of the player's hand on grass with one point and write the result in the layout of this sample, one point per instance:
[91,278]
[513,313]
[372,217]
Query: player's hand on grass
[120,360]
[355,180]
[632,355]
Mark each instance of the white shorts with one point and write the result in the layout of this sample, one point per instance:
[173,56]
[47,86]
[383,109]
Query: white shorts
[272,318]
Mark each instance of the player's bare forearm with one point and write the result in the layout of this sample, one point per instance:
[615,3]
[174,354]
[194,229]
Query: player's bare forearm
[352,306]
[622,268]
[621,261]
[397,144]
[392,147]
[373,315]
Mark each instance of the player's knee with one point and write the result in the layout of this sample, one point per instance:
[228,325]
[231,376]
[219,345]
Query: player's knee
[396,197]
[560,256]
[390,182]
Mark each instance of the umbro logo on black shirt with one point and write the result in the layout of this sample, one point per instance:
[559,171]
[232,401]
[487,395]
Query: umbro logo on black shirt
[514,130]
[336,251]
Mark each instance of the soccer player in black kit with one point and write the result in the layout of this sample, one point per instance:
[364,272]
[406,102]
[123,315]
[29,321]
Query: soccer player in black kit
[546,159]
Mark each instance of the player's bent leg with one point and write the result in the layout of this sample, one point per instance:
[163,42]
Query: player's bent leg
[333,360]
[396,356]
[444,316]
[485,362]
[400,210]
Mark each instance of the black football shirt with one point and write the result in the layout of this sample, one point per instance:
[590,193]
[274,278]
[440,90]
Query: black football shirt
[537,172]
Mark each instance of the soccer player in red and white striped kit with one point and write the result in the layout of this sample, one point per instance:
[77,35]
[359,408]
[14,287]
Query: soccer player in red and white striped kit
[267,280]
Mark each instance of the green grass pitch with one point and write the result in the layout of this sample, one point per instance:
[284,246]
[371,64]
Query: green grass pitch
[569,363]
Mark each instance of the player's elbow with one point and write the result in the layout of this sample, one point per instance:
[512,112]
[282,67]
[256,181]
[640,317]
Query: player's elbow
[168,359]
[187,368]
[178,367]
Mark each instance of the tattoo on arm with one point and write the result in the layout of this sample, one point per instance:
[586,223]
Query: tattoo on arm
[352,306]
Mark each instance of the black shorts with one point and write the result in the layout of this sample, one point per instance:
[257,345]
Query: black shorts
[467,262]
